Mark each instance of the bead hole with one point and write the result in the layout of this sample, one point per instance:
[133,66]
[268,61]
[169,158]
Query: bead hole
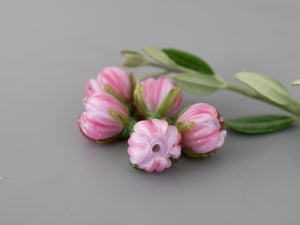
[156,148]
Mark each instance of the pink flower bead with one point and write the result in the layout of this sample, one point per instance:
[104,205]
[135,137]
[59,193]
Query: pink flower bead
[207,135]
[114,78]
[92,87]
[97,123]
[118,80]
[153,144]
[155,90]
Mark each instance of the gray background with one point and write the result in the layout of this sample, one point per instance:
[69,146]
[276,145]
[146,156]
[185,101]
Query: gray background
[52,175]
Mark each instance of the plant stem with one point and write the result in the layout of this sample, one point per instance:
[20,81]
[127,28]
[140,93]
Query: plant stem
[294,109]
[165,67]
[175,69]
[242,90]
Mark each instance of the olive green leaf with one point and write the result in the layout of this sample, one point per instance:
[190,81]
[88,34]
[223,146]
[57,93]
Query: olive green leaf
[184,126]
[108,89]
[168,101]
[190,153]
[259,124]
[296,83]
[198,84]
[118,116]
[135,166]
[267,87]
[138,99]
[159,56]
[133,59]
[188,60]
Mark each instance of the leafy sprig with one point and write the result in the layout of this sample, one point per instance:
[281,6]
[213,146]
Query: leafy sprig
[194,75]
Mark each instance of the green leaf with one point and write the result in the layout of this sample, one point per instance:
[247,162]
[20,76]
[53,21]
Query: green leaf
[108,89]
[190,153]
[198,84]
[132,84]
[118,116]
[135,166]
[168,101]
[188,60]
[139,100]
[184,126]
[173,160]
[159,56]
[132,58]
[266,86]
[259,124]
[182,111]
[108,140]
[296,83]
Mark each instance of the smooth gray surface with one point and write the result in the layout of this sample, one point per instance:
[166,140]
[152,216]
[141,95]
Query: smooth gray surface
[52,175]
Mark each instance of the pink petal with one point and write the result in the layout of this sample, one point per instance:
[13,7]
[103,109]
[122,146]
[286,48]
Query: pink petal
[118,80]
[92,87]
[103,101]
[152,144]
[97,125]
[155,90]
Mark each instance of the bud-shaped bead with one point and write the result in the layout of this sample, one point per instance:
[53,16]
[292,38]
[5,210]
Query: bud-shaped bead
[104,119]
[117,82]
[154,145]
[114,81]
[157,97]
[201,127]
